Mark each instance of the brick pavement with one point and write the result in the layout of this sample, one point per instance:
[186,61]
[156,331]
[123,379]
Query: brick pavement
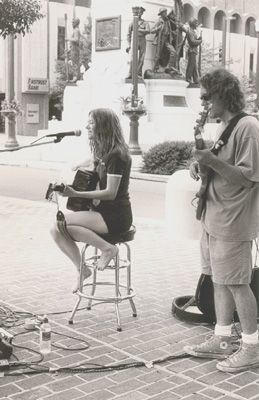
[36,277]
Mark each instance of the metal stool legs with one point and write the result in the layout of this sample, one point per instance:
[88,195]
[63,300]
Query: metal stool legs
[92,297]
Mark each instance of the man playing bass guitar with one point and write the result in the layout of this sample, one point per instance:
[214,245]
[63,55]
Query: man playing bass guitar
[230,221]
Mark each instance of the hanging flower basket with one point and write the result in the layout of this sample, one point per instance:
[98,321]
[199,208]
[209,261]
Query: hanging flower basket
[11,109]
[133,106]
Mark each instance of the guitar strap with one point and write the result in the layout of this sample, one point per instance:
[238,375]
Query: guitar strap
[223,139]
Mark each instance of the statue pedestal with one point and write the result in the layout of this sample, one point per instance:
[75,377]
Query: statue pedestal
[169,110]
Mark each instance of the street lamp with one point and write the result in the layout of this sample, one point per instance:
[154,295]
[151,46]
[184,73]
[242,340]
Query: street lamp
[257,63]
[135,109]
[10,122]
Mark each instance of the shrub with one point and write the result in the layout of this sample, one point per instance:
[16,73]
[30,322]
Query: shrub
[167,157]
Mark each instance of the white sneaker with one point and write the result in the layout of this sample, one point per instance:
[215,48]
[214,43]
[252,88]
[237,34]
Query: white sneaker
[246,357]
[218,347]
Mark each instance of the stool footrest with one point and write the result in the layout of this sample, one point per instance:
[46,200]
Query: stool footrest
[106,299]
[115,297]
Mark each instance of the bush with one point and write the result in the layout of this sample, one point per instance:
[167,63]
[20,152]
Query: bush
[167,157]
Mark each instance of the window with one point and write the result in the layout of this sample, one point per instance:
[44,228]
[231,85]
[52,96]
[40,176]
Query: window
[251,63]
[61,43]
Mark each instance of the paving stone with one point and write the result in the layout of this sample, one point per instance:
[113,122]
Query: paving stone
[211,393]
[34,381]
[227,386]
[188,388]
[243,378]
[154,376]
[248,391]
[39,281]
[8,390]
[66,395]
[33,394]
[132,396]
[126,386]
[65,383]
[156,388]
[165,396]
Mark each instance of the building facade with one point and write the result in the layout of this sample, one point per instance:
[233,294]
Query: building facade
[228,27]
[35,60]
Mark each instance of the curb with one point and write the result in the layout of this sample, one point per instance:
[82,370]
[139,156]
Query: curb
[57,166]
[149,177]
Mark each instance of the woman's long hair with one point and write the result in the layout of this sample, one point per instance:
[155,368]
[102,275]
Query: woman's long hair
[226,86]
[108,134]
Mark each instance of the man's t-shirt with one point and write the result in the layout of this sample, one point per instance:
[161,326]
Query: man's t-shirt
[232,211]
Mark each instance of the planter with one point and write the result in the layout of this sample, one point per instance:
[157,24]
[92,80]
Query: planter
[11,114]
[134,111]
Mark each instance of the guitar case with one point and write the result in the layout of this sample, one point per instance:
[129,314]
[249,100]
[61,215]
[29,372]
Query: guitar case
[203,300]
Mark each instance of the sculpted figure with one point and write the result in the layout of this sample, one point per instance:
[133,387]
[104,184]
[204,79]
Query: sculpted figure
[75,49]
[165,53]
[194,40]
[143,31]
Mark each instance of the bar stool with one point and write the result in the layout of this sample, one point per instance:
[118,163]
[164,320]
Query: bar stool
[115,265]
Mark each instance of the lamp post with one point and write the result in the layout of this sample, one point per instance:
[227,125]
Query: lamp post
[10,122]
[134,117]
[136,109]
[257,63]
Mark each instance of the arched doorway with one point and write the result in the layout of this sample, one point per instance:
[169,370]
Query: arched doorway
[204,17]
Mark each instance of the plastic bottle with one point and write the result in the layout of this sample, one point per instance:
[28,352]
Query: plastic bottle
[45,336]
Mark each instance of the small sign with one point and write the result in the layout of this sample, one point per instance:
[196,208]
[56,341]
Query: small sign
[39,85]
[174,101]
[33,114]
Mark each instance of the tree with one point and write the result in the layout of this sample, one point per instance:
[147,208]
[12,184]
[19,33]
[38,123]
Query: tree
[17,16]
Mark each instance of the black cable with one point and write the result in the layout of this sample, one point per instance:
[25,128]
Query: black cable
[87,345]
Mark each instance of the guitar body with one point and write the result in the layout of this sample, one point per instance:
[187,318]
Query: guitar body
[84,181]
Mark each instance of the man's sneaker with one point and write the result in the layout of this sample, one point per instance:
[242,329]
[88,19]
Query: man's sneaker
[219,347]
[246,357]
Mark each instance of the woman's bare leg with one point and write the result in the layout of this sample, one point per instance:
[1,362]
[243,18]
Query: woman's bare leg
[84,226]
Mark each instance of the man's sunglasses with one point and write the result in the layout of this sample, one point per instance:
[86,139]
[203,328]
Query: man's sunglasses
[205,97]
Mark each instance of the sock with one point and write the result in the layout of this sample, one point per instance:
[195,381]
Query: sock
[223,330]
[250,339]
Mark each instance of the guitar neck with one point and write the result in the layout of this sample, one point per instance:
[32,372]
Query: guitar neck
[199,142]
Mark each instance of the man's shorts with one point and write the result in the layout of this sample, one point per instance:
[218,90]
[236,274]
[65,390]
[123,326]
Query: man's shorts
[229,263]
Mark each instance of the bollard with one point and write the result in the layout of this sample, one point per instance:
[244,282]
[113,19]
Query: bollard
[180,219]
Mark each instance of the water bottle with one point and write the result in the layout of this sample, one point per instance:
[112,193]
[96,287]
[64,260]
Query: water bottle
[45,336]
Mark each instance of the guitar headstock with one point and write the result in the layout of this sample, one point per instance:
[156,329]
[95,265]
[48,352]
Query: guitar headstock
[203,115]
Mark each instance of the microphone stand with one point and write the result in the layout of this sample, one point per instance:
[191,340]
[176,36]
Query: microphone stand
[34,144]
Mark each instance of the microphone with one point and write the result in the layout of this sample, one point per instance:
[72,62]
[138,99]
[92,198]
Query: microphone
[60,135]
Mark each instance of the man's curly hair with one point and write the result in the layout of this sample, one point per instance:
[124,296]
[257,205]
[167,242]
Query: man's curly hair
[226,85]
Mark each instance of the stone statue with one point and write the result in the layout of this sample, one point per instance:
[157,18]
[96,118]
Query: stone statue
[168,40]
[194,40]
[143,30]
[75,49]
[165,53]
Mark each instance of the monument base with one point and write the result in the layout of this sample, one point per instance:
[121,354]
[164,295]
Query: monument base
[169,110]
[149,74]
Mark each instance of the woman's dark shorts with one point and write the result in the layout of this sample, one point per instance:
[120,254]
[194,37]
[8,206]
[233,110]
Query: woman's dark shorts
[118,218]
